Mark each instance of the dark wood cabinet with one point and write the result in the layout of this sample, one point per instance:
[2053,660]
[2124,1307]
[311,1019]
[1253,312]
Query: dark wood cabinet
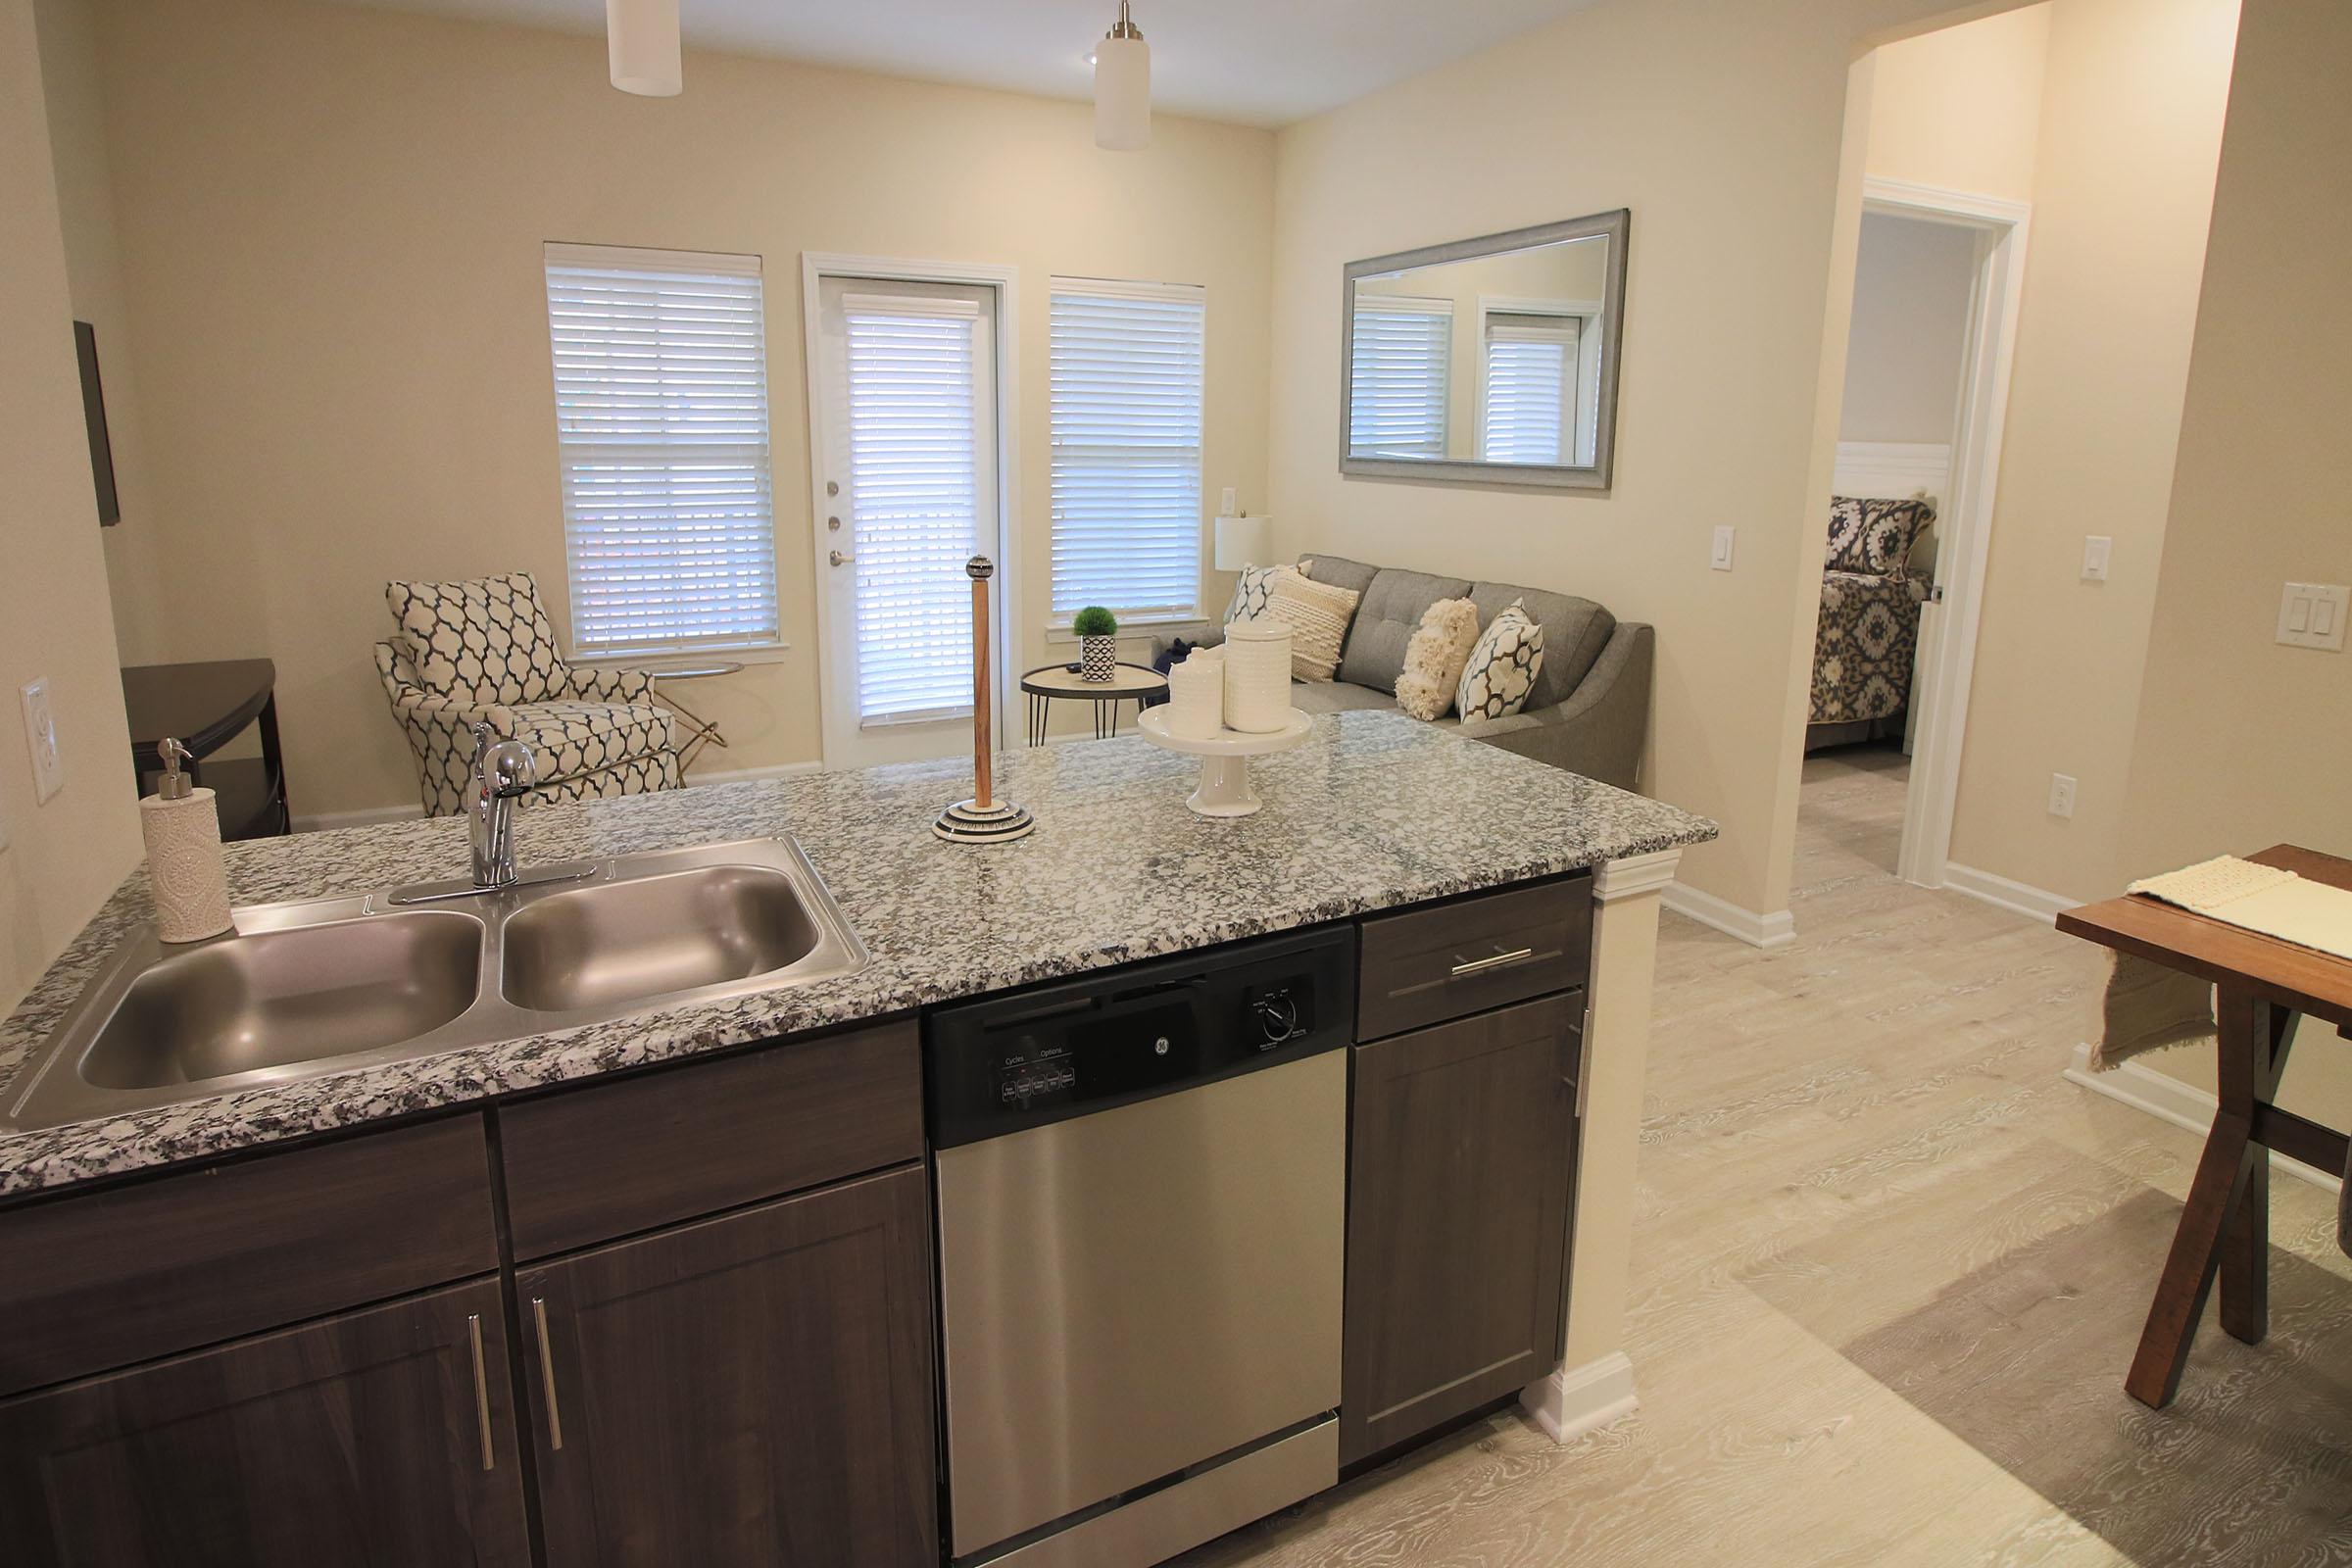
[382,1438]
[1445,961]
[752,1390]
[1460,1171]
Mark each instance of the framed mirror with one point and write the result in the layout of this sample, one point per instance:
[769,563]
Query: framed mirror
[1489,361]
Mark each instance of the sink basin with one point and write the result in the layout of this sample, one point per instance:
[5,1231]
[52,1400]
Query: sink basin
[626,940]
[276,997]
[325,984]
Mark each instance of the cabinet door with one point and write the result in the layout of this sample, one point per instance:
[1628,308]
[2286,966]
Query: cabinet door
[1460,1167]
[752,1390]
[384,1438]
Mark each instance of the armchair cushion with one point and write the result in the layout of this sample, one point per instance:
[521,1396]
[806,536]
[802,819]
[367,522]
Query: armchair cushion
[487,639]
[1874,536]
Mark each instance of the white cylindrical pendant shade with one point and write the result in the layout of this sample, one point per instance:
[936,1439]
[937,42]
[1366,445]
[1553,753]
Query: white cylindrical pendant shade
[1243,542]
[642,39]
[1122,94]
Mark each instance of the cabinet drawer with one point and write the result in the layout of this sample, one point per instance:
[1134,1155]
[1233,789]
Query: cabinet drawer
[1423,967]
[586,1165]
[98,1282]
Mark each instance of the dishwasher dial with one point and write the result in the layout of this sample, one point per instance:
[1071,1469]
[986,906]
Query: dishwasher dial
[1277,1016]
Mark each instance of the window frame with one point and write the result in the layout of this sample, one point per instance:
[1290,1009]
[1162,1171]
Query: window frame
[1437,306]
[1582,377]
[1057,623]
[747,647]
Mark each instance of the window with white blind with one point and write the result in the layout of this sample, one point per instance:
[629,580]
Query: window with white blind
[660,361]
[1398,379]
[1126,432]
[1529,413]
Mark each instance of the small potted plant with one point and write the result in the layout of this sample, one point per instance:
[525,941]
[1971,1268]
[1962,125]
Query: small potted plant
[1098,632]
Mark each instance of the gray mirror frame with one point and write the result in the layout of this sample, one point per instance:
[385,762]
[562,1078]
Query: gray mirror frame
[1613,226]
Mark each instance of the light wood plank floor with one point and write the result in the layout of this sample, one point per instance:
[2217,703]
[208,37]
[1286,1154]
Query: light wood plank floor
[1889,1271]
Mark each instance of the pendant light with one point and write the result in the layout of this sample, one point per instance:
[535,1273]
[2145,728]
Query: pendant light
[641,37]
[1122,87]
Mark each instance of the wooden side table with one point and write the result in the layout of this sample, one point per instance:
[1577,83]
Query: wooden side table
[205,706]
[700,731]
[2262,984]
[1129,683]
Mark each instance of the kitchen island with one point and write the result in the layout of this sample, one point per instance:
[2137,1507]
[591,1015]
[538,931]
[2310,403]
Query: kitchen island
[1373,814]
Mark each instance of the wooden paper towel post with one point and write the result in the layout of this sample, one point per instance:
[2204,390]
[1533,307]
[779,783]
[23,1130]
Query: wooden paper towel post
[982,819]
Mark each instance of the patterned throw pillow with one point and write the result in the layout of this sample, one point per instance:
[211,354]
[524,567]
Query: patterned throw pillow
[1502,668]
[1317,615]
[1250,593]
[1871,535]
[486,639]
[1435,656]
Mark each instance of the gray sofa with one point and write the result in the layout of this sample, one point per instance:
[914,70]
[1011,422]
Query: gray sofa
[1590,711]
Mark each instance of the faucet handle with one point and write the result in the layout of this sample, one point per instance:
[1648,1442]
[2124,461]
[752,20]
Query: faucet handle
[501,767]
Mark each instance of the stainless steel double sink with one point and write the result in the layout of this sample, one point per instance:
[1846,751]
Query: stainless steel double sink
[325,984]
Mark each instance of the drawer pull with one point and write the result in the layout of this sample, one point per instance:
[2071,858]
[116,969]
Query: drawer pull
[481,1389]
[547,1375]
[1498,961]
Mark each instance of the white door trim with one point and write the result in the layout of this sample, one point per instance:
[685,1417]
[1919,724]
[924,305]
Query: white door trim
[1948,630]
[1003,281]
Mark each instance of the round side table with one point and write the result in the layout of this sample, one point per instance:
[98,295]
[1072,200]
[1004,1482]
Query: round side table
[1129,683]
[700,731]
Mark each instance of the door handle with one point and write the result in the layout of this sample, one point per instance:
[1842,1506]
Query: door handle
[547,1374]
[840,559]
[482,1390]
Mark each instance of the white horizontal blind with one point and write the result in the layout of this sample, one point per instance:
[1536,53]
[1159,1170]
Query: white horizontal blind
[1530,388]
[660,361]
[1126,427]
[1400,355]
[915,502]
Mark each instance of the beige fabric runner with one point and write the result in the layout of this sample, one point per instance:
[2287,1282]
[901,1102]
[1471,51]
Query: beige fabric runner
[2148,1007]
[2261,898]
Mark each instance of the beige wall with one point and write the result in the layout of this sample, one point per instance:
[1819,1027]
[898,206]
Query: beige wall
[2123,196]
[1961,108]
[2241,742]
[62,857]
[1914,283]
[330,221]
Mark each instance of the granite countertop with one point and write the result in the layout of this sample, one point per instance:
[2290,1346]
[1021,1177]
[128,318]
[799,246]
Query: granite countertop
[1373,810]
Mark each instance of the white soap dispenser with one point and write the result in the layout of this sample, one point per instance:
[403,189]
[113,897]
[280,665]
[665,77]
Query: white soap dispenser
[184,866]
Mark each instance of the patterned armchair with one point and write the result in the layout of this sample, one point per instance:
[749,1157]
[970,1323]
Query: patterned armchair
[1869,629]
[484,650]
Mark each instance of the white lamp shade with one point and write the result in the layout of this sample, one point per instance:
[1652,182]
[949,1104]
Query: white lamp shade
[1243,542]
[641,37]
[1122,94]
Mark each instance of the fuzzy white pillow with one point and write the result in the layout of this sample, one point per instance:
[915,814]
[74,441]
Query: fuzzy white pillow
[1435,658]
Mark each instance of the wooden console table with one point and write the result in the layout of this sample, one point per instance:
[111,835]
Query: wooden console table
[2263,983]
[204,706]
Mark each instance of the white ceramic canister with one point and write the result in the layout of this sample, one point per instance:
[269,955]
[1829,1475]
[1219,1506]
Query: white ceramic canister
[1196,697]
[1258,675]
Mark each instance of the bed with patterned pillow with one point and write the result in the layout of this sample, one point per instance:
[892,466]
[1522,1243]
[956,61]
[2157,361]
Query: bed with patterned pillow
[1867,633]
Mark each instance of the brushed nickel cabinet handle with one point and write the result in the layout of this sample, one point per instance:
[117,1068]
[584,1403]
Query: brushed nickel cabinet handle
[547,1374]
[1499,961]
[482,1390]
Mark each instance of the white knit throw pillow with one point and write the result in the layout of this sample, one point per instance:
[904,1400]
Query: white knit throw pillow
[1435,658]
[1317,615]
[1502,668]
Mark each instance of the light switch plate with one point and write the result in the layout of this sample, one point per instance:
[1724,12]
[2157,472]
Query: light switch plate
[2096,548]
[2310,615]
[1225,503]
[40,737]
[1721,559]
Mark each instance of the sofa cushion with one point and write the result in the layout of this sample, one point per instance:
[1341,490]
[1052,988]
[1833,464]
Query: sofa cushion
[1385,622]
[1336,696]
[485,640]
[1339,572]
[1575,631]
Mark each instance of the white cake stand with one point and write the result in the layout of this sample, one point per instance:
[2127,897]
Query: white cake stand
[1224,760]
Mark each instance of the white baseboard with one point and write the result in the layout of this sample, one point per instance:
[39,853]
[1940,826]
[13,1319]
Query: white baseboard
[1767,931]
[1575,1400]
[375,815]
[2036,903]
[2144,1088]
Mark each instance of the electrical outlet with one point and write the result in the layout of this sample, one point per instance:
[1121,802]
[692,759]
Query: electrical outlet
[1721,559]
[2310,615]
[40,737]
[2096,548]
[2062,794]
[1225,504]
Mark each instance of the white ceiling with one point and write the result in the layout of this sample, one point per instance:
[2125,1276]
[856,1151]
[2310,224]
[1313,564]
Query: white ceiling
[1254,62]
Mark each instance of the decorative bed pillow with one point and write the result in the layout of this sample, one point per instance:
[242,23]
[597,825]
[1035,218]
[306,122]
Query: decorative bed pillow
[485,640]
[1502,668]
[1435,656]
[1250,594]
[1873,535]
[1317,615]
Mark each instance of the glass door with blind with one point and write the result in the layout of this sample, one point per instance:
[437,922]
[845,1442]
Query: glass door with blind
[905,438]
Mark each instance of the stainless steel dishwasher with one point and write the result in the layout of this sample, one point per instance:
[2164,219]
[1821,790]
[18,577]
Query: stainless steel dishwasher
[1142,1213]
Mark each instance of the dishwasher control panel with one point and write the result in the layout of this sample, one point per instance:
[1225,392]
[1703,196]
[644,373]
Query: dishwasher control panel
[997,1066]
